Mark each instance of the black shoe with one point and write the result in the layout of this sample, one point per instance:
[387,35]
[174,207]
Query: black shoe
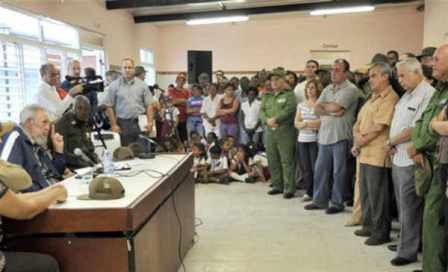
[312,206]
[418,270]
[288,195]
[333,210]
[250,180]
[363,233]
[372,241]
[349,203]
[275,192]
[398,261]
[392,248]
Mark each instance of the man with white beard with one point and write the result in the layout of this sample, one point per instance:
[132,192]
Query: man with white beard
[27,145]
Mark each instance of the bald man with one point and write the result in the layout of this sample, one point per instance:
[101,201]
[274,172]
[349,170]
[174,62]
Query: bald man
[73,126]
[424,146]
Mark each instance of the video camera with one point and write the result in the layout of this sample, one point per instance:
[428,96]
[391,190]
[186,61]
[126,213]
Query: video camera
[91,82]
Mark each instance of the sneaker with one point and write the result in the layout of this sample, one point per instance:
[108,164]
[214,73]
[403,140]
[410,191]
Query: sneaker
[306,198]
[250,180]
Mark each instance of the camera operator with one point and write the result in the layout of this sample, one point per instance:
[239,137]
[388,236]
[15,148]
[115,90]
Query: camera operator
[48,96]
[74,78]
[127,99]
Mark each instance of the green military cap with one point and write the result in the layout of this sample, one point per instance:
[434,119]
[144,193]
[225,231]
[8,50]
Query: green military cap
[137,148]
[278,72]
[423,177]
[104,188]
[123,154]
[14,176]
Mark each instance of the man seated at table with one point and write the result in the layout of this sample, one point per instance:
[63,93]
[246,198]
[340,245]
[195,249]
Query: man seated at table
[25,206]
[74,128]
[27,146]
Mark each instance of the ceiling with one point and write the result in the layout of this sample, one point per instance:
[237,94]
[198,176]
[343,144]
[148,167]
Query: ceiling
[173,10]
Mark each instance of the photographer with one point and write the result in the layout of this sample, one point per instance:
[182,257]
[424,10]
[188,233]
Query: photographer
[48,96]
[74,78]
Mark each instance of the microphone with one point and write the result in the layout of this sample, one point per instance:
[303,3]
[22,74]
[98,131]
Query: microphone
[148,154]
[80,154]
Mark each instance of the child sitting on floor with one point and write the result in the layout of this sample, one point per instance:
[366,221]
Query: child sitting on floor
[218,167]
[199,161]
[241,168]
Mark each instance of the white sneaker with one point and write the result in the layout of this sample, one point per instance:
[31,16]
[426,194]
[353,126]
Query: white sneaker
[306,198]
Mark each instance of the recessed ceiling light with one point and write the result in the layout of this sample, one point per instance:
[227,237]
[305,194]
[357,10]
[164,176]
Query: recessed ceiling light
[318,12]
[217,20]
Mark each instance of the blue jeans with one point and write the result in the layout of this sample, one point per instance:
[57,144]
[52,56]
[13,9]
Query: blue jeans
[194,124]
[331,164]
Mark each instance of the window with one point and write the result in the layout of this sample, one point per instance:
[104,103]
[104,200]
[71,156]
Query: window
[26,42]
[94,58]
[13,22]
[147,61]
[52,31]
[10,83]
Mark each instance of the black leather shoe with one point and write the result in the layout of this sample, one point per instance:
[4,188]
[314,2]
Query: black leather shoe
[312,206]
[363,233]
[275,192]
[392,248]
[288,195]
[398,261]
[373,241]
[333,210]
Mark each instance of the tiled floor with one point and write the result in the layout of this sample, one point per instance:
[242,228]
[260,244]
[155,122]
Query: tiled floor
[245,230]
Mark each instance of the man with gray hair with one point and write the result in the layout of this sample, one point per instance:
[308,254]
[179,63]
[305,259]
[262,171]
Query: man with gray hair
[407,111]
[371,132]
[26,145]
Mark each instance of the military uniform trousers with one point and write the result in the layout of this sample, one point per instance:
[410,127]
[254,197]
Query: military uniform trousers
[433,232]
[280,150]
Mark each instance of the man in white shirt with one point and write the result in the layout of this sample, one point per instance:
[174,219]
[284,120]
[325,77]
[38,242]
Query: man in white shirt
[310,73]
[48,97]
[209,107]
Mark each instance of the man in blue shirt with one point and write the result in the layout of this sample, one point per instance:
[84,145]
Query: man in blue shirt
[27,146]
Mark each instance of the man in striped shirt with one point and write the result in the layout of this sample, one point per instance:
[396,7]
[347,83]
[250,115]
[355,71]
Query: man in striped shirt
[408,110]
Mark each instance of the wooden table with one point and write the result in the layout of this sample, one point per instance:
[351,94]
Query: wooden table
[149,232]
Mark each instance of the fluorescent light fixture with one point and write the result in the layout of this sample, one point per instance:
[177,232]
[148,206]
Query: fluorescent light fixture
[318,12]
[217,20]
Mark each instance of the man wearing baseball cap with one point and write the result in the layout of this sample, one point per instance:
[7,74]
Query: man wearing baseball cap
[277,114]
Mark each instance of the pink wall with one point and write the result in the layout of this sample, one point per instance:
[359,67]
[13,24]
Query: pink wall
[285,40]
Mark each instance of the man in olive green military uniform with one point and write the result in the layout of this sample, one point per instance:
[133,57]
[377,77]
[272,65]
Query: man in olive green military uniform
[277,113]
[424,145]
[73,126]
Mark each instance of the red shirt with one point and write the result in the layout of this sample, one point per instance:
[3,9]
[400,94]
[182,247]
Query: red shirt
[175,93]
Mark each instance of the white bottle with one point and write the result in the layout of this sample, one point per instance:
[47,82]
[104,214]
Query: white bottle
[108,164]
